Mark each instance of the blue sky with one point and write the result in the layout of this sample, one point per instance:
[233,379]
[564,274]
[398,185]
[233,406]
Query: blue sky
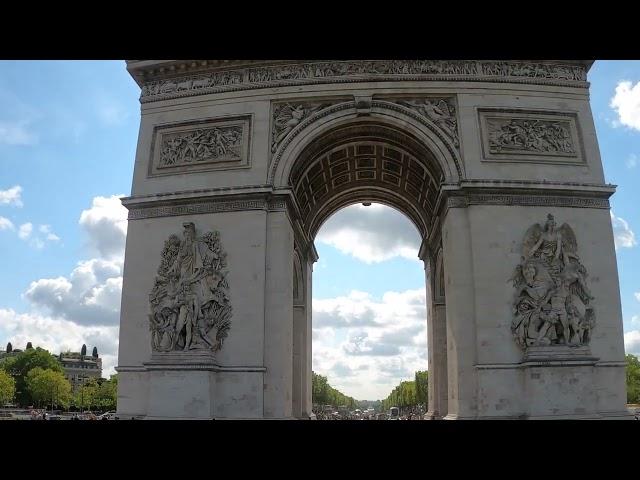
[68,133]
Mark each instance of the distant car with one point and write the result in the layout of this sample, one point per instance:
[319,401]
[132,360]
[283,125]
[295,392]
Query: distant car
[54,417]
[107,416]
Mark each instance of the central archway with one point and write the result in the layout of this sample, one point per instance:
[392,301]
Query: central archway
[357,161]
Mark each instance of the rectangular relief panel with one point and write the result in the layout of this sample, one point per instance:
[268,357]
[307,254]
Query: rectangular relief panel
[530,136]
[201,145]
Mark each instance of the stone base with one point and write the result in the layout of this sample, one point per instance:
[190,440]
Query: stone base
[177,358]
[180,393]
[181,385]
[559,383]
[559,354]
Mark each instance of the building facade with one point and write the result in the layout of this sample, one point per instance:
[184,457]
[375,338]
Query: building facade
[80,368]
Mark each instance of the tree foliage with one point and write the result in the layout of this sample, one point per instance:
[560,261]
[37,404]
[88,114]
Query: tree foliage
[633,379]
[48,387]
[409,393]
[7,388]
[97,395]
[422,390]
[18,366]
[324,394]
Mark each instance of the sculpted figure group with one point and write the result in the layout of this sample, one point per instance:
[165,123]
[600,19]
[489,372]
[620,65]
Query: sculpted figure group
[218,143]
[190,307]
[537,136]
[552,302]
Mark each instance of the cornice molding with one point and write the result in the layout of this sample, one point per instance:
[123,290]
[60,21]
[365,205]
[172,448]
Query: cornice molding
[168,79]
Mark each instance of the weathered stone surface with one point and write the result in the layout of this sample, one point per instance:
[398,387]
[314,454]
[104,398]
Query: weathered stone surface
[443,141]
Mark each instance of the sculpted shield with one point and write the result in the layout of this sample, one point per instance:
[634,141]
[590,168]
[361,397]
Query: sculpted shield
[190,307]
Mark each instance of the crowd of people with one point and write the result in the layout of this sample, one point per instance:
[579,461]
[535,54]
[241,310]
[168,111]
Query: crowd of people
[407,413]
[37,414]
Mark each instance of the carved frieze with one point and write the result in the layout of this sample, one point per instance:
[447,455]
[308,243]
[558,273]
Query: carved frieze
[441,111]
[287,116]
[361,70]
[511,135]
[552,303]
[189,302]
[197,146]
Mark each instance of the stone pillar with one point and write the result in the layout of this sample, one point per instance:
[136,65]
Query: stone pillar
[302,339]
[299,322]
[460,315]
[278,315]
[439,346]
[306,353]
[436,340]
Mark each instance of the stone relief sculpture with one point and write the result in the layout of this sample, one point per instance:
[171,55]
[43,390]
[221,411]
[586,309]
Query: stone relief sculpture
[190,307]
[507,135]
[287,116]
[314,72]
[552,302]
[202,145]
[441,111]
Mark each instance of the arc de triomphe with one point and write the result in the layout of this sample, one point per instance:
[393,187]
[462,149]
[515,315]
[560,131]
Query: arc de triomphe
[495,162]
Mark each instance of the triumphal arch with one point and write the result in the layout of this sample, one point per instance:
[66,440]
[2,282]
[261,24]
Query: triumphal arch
[495,162]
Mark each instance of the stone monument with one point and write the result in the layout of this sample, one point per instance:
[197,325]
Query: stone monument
[240,162]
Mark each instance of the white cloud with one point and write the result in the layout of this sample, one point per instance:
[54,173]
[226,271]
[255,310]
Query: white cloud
[366,346]
[24,232]
[16,133]
[632,161]
[626,102]
[49,235]
[56,335]
[11,196]
[90,296]
[637,295]
[632,342]
[372,234]
[622,234]
[6,224]
[42,236]
[106,224]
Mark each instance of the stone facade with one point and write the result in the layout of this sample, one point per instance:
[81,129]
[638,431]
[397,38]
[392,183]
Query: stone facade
[475,153]
[79,368]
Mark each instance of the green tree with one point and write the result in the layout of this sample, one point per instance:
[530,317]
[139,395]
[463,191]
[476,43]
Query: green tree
[633,379]
[18,366]
[48,387]
[7,388]
[422,387]
[107,394]
[324,394]
[85,396]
